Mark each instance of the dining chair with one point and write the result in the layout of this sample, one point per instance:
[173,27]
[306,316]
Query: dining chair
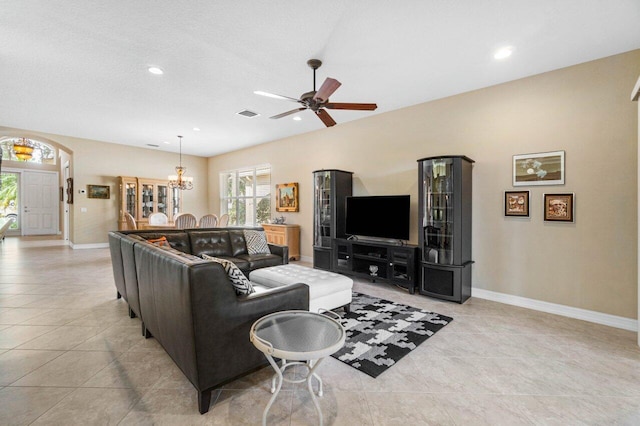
[208,221]
[131,222]
[224,220]
[158,218]
[185,220]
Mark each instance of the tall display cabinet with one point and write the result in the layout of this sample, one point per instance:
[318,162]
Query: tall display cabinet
[445,227]
[141,196]
[330,189]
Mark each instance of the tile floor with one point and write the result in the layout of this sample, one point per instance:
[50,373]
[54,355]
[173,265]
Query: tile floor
[69,354]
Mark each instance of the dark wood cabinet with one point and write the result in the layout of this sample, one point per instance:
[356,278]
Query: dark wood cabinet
[377,261]
[330,187]
[445,227]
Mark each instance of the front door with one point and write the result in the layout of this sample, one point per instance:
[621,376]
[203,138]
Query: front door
[40,203]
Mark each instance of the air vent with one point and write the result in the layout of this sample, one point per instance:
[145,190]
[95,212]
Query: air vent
[247,113]
[153,145]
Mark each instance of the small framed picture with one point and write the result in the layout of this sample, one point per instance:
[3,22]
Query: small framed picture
[546,168]
[516,203]
[287,197]
[558,207]
[98,191]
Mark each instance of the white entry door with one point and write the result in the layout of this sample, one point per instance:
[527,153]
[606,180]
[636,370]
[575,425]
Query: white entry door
[40,203]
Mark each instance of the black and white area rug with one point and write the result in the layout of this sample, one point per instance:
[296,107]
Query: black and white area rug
[381,332]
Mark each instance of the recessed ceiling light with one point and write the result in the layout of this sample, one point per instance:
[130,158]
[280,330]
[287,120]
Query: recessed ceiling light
[196,129]
[167,142]
[155,70]
[296,118]
[503,52]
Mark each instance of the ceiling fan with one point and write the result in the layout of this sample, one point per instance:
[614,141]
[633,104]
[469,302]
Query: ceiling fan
[318,101]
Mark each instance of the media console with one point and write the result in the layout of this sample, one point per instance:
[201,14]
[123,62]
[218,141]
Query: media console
[375,260]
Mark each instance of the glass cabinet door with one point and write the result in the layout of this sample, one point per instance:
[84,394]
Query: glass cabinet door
[130,193]
[146,200]
[162,206]
[322,207]
[438,219]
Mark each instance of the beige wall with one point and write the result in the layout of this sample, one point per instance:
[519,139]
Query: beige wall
[100,163]
[583,110]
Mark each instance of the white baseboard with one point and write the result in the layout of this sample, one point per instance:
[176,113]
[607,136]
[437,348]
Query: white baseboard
[88,246]
[306,259]
[554,308]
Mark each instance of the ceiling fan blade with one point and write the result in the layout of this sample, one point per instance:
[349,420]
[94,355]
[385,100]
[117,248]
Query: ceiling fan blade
[273,95]
[343,105]
[293,111]
[326,118]
[329,86]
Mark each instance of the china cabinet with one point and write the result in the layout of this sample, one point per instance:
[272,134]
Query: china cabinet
[445,227]
[141,196]
[330,187]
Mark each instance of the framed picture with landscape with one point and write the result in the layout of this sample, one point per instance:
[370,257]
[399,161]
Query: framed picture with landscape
[546,168]
[98,191]
[287,197]
[516,203]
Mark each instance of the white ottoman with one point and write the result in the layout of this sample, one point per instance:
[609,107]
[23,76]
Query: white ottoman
[326,289]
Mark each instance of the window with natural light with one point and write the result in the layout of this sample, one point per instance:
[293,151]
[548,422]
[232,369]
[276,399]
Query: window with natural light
[39,152]
[246,195]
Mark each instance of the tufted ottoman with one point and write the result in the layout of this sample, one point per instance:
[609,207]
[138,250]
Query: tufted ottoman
[326,289]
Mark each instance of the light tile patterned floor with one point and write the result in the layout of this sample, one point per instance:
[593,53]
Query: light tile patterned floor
[69,354]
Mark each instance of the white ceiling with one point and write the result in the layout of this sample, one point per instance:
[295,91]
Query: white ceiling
[79,68]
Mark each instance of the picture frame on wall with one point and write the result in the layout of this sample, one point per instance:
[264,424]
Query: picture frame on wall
[516,203]
[559,207]
[287,197]
[69,190]
[545,168]
[98,191]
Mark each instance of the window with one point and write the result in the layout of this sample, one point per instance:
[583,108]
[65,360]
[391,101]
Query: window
[245,195]
[42,152]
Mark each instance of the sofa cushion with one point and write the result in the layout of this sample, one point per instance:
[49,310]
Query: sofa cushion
[242,264]
[241,284]
[256,261]
[238,243]
[211,243]
[256,242]
[177,240]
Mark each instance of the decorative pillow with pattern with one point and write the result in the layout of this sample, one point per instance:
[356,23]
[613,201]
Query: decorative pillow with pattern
[162,242]
[256,242]
[240,283]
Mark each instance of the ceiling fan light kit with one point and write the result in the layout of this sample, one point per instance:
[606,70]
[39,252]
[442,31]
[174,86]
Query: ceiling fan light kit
[318,101]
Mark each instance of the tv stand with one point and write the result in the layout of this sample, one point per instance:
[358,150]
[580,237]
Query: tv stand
[384,261]
[389,241]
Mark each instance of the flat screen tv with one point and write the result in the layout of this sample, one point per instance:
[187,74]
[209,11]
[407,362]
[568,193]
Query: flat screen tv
[382,216]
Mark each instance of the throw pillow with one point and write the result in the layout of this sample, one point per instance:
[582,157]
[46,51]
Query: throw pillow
[161,242]
[240,283]
[256,242]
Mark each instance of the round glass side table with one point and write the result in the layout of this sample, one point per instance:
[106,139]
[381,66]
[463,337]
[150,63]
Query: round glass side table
[303,337]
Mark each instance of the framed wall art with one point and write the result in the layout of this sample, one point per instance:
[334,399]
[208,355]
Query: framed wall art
[98,191]
[287,197]
[69,190]
[559,207]
[516,203]
[546,168]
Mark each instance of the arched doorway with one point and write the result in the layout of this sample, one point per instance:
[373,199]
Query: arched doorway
[31,185]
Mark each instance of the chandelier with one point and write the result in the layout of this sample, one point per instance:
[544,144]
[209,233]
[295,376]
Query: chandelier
[23,149]
[180,181]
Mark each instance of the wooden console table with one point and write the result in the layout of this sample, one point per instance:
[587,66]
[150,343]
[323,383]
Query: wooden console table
[286,235]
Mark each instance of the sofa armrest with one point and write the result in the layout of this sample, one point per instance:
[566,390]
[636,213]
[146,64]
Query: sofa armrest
[280,251]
